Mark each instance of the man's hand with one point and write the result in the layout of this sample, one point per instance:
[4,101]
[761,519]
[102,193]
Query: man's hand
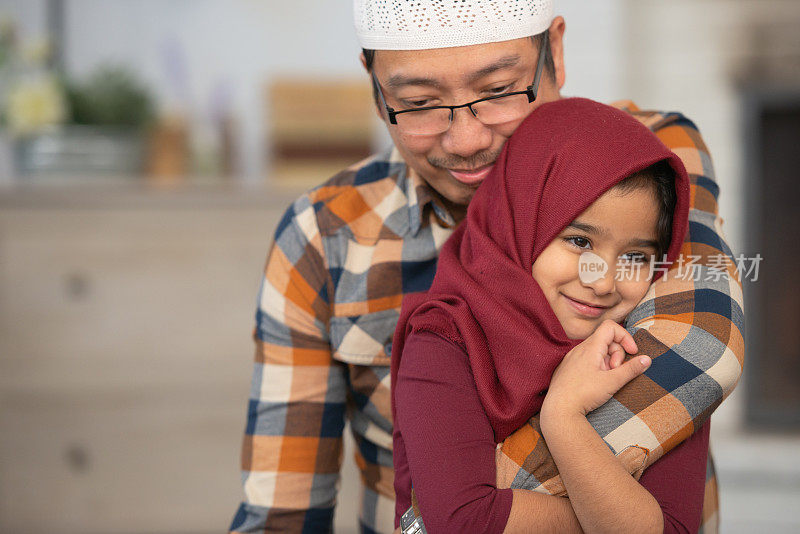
[593,371]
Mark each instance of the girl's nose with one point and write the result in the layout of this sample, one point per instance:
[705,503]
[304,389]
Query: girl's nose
[604,285]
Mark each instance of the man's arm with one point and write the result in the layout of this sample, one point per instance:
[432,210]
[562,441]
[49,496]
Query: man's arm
[291,454]
[691,323]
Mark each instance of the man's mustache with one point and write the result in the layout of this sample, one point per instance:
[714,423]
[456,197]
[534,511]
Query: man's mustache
[473,162]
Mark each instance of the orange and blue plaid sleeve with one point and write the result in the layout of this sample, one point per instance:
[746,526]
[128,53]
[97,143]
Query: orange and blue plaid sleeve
[291,454]
[691,322]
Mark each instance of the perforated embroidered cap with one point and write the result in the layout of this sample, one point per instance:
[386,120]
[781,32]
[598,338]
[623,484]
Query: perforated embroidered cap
[425,24]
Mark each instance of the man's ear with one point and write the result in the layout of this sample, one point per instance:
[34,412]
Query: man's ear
[556,33]
[363,61]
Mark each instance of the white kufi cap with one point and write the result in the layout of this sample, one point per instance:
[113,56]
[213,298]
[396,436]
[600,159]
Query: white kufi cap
[425,24]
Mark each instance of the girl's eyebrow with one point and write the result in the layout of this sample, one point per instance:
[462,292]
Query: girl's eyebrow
[644,243]
[588,228]
[596,230]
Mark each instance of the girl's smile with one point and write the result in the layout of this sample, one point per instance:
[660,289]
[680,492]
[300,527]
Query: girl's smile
[585,308]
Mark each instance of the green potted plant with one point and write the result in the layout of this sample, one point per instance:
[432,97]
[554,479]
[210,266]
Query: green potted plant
[104,130]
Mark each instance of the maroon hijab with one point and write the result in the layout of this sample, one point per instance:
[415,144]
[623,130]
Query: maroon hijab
[561,159]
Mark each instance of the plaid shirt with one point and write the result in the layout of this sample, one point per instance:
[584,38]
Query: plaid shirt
[344,255]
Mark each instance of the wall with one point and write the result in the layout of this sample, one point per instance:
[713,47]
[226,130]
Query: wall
[191,51]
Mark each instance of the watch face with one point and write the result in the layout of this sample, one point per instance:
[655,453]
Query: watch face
[407,519]
[411,524]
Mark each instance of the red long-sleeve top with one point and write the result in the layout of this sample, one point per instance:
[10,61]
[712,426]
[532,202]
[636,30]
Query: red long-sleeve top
[444,444]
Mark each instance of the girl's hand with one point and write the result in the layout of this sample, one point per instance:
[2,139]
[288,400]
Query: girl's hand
[593,371]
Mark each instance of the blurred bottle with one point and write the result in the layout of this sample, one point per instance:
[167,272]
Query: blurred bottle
[212,145]
[168,153]
[212,138]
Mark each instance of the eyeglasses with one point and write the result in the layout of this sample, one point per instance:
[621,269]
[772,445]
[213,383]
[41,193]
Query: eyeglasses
[492,110]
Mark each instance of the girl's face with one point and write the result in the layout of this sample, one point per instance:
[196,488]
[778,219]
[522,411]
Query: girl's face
[618,231]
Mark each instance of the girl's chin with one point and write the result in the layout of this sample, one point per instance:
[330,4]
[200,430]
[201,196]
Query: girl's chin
[580,329]
[579,335]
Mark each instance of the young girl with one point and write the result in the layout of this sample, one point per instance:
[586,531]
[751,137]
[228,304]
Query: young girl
[532,271]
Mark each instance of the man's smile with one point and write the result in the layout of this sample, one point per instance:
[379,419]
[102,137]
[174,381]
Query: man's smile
[471,176]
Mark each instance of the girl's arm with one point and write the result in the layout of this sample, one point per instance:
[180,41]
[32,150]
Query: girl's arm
[676,482]
[450,449]
[604,496]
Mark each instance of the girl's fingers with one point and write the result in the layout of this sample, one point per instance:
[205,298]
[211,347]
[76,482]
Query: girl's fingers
[628,371]
[610,332]
[616,355]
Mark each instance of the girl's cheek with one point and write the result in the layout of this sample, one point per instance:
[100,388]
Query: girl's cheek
[633,292]
[563,268]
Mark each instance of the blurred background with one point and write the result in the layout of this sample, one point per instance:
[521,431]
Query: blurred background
[147,150]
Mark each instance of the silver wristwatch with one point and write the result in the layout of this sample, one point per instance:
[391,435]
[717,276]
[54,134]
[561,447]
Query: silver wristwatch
[411,523]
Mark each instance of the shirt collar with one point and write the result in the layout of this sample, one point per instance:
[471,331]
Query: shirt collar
[419,195]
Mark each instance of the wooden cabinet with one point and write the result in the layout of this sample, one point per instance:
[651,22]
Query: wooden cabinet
[125,355]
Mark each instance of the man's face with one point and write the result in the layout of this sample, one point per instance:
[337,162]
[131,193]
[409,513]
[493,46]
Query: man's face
[455,162]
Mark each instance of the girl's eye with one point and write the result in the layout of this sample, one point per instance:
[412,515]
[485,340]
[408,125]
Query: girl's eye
[579,242]
[635,257]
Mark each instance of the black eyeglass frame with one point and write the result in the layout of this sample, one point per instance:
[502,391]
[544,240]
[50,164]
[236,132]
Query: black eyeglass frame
[531,92]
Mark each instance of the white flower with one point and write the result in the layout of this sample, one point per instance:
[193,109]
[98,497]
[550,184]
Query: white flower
[37,52]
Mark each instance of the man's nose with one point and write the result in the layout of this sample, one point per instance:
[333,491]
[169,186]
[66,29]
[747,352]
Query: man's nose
[467,135]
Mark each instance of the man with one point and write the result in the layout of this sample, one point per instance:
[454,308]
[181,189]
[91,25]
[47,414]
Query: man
[346,252]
